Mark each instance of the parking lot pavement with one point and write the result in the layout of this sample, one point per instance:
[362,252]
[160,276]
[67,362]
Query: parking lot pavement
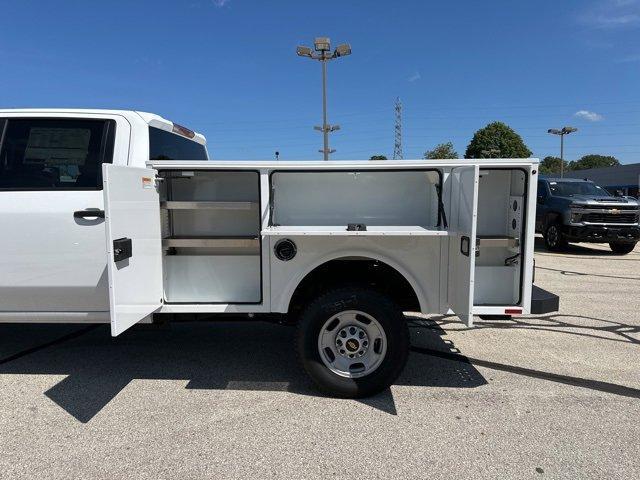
[550,396]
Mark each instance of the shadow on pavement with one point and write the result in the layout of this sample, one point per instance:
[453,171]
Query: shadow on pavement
[558,323]
[551,323]
[585,249]
[235,355]
[587,274]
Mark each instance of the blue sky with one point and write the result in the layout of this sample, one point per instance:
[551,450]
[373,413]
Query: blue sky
[228,69]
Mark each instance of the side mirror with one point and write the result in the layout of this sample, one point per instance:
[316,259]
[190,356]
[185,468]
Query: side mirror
[540,199]
[618,193]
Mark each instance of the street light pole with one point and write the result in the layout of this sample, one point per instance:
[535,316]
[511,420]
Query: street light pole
[564,131]
[322,47]
[325,129]
[562,156]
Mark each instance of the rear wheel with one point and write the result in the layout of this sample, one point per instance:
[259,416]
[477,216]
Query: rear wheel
[353,342]
[622,248]
[553,238]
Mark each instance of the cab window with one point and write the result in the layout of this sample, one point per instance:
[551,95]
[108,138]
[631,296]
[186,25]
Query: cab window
[54,153]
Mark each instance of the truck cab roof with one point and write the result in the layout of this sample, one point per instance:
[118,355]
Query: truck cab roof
[134,117]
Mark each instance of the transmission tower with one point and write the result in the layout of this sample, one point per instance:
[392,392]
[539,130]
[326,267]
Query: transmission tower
[397,148]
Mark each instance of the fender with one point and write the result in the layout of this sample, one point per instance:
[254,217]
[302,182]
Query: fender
[550,216]
[282,302]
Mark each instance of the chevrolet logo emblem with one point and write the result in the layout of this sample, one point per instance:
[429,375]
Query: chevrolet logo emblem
[615,210]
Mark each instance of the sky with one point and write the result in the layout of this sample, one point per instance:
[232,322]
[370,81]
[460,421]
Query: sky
[228,69]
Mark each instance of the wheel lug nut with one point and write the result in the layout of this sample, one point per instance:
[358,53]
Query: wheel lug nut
[361,335]
[352,330]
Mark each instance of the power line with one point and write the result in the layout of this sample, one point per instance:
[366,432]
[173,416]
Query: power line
[381,111]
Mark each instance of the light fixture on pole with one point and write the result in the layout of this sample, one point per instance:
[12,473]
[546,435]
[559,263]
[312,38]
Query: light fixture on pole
[322,46]
[564,131]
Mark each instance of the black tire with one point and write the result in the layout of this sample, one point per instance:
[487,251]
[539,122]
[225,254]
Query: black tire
[553,238]
[375,304]
[622,248]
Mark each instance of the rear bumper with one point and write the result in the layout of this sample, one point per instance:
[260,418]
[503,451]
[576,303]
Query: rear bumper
[543,301]
[601,233]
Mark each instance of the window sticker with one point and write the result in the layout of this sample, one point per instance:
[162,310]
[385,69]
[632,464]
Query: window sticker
[57,146]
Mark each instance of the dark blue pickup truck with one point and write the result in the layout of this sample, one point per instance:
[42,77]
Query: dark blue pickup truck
[574,210]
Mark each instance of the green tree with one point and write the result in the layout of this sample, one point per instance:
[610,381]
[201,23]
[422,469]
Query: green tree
[442,150]
[594,161]
[551,165]
[497,140]
[378,157]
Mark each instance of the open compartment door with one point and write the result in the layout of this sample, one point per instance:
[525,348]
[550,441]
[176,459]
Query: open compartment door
[134,249]
[462,244]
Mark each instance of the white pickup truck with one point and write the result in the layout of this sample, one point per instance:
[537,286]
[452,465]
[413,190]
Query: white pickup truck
[340,248]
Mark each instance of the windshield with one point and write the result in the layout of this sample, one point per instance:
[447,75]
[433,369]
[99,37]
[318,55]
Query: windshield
[569,189]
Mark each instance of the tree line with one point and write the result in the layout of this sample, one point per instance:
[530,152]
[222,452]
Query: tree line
[498,140]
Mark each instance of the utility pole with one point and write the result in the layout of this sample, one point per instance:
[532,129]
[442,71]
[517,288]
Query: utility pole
[322,47]
[397,148]
[562,133]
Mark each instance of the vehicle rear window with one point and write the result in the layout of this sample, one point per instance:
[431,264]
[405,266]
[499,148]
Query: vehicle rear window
[165,145]
[54,153]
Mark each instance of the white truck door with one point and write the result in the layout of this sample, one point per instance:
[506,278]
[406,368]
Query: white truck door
[462,243]
[134,250]
[52,210]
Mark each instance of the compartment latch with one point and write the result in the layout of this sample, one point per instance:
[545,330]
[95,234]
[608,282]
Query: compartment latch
[122,249]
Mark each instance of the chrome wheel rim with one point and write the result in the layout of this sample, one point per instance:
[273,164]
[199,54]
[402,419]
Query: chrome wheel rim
[352,344]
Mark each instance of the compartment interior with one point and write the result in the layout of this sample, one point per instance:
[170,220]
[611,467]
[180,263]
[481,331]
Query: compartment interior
[501,196]
[372,198]
[211,236]
[211,224]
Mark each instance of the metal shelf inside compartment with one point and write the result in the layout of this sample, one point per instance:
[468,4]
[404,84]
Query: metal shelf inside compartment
[248,242]
[207,205]
[498,241]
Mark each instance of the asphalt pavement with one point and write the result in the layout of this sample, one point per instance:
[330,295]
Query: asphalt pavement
[548,396]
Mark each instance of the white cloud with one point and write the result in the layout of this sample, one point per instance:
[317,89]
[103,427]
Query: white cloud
[587,115]
[612,14]
[629,58]
[415,77]
[220,3]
